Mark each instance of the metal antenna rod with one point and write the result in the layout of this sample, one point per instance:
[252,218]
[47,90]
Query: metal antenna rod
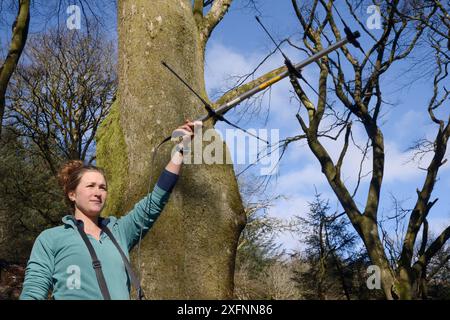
[208,107]
[224,108]
[186,84]
[289,64]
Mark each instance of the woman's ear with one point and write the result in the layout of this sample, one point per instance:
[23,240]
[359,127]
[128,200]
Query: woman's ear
[71,195]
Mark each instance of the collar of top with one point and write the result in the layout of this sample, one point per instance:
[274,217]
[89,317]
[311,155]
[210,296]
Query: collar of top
[69,220]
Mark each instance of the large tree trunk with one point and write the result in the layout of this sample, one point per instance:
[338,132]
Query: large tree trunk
[190,251]
[402,283]
[368,230]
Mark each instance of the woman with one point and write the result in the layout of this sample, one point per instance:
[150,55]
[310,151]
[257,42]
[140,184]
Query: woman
[87,257]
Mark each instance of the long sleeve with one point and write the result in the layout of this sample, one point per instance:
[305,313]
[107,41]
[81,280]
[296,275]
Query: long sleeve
[147,210]
[39,270]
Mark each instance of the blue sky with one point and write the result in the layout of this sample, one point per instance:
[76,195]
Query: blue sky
[240,44]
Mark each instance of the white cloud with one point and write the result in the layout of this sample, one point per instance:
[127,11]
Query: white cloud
[295,204]
[302,180]
[222,63]
[290,242]
[437,224]
[298,153]
[399,166]
[400,127]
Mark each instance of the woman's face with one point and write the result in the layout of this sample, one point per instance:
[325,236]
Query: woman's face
[90,194]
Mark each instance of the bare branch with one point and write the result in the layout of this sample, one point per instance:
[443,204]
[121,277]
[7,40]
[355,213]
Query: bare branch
[19,38]
[424,238]
[423,206]
[337,34]
[361,25]
[344,150]
[282,144]
[437,244]
[441,75]
[360,175]
[198,11]
[308,31]
[218,10]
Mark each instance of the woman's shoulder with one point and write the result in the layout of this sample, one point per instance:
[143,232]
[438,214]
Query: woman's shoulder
[54,232]
[48,235]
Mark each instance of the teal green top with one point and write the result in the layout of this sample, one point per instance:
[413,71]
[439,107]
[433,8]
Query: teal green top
[60,260]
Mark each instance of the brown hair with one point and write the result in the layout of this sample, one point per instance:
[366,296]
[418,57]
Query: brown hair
[70,174]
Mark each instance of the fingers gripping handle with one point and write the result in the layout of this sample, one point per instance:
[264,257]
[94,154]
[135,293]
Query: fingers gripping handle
[182,138]
[183,135]
[177,135]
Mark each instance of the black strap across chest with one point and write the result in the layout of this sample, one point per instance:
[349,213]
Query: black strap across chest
[96,264]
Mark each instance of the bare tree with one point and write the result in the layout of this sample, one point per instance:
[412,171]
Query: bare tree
[61,94]
[404,25]
[280,283]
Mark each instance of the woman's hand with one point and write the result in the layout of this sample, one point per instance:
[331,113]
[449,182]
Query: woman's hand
[184,134]
[188,128]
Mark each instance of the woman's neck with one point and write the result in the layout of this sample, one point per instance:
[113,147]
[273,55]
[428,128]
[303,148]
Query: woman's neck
[90,223]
